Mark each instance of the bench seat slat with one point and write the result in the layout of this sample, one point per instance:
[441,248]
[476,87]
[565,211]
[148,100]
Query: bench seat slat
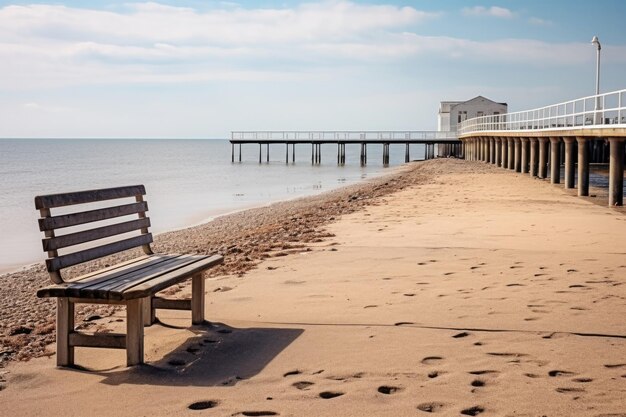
[146,281]
[90,196]
[72,288]
[58,242]
[155,285]
[74,219]
[77,289]
[59,262]
[102,289]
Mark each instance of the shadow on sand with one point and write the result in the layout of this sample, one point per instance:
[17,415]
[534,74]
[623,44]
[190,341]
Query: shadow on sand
[217,356]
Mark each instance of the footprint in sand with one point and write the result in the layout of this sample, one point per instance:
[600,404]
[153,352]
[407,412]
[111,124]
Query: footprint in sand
[303,385]
[290,373]
[582,380]
[259,413]
[403,323]
[560,373]
[617,365]
[431,360]
[478,383]
[484,372]
[435,374]
[566,390]
[409,295]
[431,407]
[193,349]
[507,354]
[371,306]
[387,389]
[327,395]
[473,411]
[203,405]
[460,335]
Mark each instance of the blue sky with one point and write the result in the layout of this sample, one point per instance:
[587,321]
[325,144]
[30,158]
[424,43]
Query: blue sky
[199,69]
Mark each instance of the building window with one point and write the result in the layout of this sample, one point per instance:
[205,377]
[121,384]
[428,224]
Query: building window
[480,114]
[462,116]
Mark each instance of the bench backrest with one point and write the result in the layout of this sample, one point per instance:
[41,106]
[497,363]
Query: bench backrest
[117,223]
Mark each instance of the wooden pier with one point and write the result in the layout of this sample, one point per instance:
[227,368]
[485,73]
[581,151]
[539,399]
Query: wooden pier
[442,144]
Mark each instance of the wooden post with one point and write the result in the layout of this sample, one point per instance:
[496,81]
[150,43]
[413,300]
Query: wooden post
[268,152]
[134,332]
[555,160]
[583,166]
[533,157]
[524,162]
[260,153]
[569,162]
[197,299]
[312,153]
[65,325]
[293,153]
[286,153]
[517,163]
[148,312]
[543,158]
[616,172]
[240,152]
[232,152]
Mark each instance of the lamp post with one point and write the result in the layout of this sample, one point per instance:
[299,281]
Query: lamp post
[598,116]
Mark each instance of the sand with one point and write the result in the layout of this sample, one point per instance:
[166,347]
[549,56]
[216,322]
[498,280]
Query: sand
[471,291]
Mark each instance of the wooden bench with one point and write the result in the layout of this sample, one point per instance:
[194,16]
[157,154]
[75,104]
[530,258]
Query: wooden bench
[133,283]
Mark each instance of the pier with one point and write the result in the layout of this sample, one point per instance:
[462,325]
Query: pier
[436,143]
[537,142]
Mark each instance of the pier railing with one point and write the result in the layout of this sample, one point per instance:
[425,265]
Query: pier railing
[340,136]
[587,112]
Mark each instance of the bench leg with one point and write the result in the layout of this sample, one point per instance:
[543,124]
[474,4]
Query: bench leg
[134,332]
[65,325]
[197,299]
[148,312]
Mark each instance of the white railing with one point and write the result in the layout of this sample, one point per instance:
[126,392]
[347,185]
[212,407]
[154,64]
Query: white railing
[340,136]
[587,112]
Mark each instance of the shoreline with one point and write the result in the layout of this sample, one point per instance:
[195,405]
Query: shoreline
[27,326]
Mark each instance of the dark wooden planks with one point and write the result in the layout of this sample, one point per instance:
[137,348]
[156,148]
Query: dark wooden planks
[72,288]
[58,242]
[90,196]
[106,289]
[57,263]
[67,220]
[157,284]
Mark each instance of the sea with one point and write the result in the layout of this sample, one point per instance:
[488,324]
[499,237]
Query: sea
[188,182]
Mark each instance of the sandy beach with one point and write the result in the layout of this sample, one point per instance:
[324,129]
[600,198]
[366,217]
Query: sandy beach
[447,288]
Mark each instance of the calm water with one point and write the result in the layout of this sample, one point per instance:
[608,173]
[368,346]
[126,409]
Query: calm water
[187,181]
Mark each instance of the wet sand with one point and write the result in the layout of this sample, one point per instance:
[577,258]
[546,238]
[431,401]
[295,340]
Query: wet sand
[469,290]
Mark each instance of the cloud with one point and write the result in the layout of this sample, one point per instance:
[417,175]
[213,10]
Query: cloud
[539,22]
[493,11]
[47,46]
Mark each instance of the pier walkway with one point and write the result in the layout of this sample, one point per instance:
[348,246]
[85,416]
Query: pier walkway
[448,143]
[540,140]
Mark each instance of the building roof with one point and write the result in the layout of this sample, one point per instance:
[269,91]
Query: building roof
[451,104]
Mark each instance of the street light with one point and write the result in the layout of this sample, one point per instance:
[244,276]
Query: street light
[595,41]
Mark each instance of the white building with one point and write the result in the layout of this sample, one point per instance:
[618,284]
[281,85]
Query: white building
[451,113]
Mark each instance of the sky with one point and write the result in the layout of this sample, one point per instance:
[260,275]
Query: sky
[200,69]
